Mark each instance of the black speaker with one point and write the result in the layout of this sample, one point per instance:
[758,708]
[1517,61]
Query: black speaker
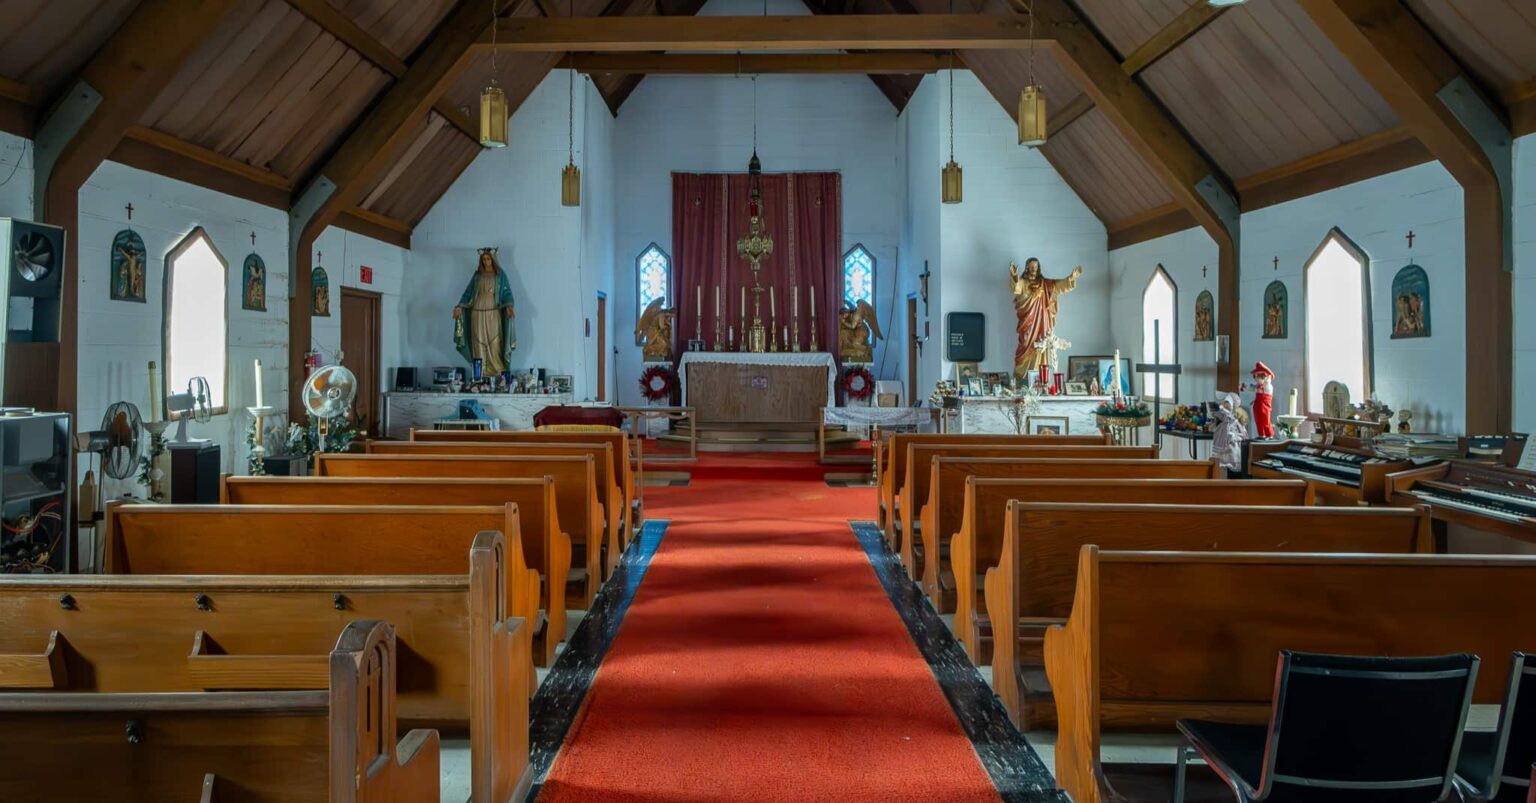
[33,255]
[195,474]
[405,379]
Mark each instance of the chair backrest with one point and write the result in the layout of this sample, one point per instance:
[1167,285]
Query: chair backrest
[1371,728]
[1515,752]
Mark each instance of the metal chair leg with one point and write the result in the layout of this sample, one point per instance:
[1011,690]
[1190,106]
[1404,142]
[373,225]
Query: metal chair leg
[1180,768]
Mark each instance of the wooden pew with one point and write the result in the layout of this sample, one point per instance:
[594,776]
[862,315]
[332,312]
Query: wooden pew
[919,475]
[974,514]
[576,489]
[1158,636]
[891,469]
[1036,575]
[625,455]
[546,548]
[330,540]
[609,496]
[465,656]
[336,744]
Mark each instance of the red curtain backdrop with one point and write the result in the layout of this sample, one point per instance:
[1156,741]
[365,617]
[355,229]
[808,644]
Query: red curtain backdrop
[802,213]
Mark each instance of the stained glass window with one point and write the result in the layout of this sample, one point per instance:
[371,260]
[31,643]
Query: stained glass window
[654,270]
[858,276]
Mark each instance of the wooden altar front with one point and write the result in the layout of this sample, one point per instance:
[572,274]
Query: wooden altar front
[771,389]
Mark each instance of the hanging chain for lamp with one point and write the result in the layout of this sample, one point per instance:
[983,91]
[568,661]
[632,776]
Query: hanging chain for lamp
[493,100]
[570,177]
[1032,122]
[952,184]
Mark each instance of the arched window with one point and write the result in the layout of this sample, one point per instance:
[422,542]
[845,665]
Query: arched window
[653,271]
[1337,286]
[858,276]
[1159,316]
[196,317]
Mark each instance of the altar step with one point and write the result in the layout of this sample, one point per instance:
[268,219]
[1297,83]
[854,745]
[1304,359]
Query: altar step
[762,437]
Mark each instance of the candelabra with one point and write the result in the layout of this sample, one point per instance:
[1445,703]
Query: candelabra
[719,333]
[258,439]
[773,331]
[814,345]
[756,336]
[794,332]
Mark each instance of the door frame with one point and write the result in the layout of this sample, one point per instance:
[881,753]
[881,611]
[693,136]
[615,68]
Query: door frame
[376,300]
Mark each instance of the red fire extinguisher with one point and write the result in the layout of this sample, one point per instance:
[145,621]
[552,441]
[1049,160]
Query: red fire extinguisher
[311,362]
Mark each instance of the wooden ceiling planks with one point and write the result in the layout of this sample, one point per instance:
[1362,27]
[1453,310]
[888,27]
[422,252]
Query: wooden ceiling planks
[1261,87]
[1495,39]
[1127,25]
[414,191]
[44,42]
[400,25]
[1102,165]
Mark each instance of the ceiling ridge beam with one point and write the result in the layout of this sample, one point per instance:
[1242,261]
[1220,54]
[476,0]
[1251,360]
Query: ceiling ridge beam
[730,34]
[891,62]
[1189,22]
[1440,102]
[360,159]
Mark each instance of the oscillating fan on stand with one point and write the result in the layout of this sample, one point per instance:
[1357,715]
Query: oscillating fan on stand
[117,444]
[196,404]
[328,395]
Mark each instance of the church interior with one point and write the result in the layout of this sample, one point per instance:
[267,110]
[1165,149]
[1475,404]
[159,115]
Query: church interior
[768,400]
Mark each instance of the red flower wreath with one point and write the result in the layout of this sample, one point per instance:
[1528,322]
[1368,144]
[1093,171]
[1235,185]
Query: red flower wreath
[657,382]
[858,382]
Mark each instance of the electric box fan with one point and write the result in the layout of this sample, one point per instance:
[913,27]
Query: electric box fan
[33,255]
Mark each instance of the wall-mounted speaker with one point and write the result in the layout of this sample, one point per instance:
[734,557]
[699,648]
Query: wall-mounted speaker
[33,258]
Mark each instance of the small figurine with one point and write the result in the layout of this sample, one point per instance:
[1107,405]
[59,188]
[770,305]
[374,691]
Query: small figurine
[1403,417]
[1263,400]
[1231,431]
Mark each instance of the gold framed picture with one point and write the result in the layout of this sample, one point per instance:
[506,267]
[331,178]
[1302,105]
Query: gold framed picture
[1048,425]
[1076,388]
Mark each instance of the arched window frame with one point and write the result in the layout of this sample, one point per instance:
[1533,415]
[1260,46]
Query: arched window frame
[874,267]
[1336,235]
[667,295]
[221,382]
[1150,384]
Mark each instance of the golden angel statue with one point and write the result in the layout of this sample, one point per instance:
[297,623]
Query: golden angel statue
[654,332]
[857,331]
[1034,300]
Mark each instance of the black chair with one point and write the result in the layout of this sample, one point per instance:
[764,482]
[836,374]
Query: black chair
[1497,766]
[1344,728]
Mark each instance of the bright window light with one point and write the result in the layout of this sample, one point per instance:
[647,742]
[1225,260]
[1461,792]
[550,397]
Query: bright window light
[196,309]
[1159,305]
[1338,321]
[654,272]
[858,276]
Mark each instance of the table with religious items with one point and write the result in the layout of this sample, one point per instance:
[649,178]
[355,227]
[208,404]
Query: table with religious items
[407,410]
[1058,415]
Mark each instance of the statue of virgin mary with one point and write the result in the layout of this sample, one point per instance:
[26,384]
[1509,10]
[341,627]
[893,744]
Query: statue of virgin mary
[487,330]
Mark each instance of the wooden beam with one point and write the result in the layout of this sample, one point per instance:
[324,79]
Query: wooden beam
[1150,225]
[80,131]
[379,227]
[376,140]
[339,25]
[731,34]
[1442,105]
[1196,183]
[1068,114]
[882,63]
[1188,23]
[163,154]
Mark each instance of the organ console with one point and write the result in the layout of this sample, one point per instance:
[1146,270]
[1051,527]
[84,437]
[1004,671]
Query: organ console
[1483,496]
[1340,473]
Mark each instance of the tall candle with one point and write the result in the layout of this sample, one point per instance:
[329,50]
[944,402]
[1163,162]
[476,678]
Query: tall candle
[698,301]
[718,292]
[154,393]
[813,301]
[794,300]
[1293,401]
[258,384]
[743,306]
[1114,376]
[773,306]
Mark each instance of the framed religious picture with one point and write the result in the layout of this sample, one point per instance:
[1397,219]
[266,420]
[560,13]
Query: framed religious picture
[1205,317]
[562,383]
[128,266]
[1048,425]
[975,385]
[1090,368]
[1276,311]
[253,284]
[1083,369]
[963,373]
[1076,388]
[998,381]
[320,287]
[1410,303]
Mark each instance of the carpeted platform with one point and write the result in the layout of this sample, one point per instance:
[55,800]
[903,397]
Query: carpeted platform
[762,660]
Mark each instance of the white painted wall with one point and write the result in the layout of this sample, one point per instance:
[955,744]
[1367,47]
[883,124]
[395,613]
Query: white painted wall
[920,134]
[1424,375]
[510,198]
[1525,284]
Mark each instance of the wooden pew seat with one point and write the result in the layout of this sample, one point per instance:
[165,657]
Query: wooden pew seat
[546,547]
[1033,584]
[334,744]
[1158,636]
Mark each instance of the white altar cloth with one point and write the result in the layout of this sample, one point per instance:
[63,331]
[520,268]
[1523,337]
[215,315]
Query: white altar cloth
[878,416]
[805,358]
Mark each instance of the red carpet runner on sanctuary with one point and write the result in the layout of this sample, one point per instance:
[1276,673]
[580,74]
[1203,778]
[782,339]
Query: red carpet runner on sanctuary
[762,660]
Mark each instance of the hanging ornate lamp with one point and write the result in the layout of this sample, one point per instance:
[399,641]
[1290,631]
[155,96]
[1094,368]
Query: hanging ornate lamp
[493,101]
[570,177]
[953,186]
[1032,125]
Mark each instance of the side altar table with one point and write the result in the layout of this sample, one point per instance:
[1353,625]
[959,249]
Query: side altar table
[989,414]
[735,388]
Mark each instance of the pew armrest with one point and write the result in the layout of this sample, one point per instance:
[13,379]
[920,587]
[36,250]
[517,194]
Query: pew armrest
[210,668]
[415,774]
[44,670]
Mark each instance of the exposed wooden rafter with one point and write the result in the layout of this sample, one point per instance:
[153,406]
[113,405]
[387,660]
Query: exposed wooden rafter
[1188,23]
[1068,114]
[80,130]
[1442,105]
[371,147]
[886,63]
[339,25]
[731,34]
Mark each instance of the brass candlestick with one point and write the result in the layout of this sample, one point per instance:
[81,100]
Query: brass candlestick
[719,333]
[794,333]
[773,331]
[756,336]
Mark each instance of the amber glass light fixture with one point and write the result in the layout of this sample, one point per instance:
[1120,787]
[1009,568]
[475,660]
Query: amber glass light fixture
[493,101]
[1032,116]
[952,188]
[570,177]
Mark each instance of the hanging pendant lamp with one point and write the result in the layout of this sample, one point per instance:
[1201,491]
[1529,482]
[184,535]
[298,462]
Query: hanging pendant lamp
[570,177]
[493,101]
[952,188]
[1032,122]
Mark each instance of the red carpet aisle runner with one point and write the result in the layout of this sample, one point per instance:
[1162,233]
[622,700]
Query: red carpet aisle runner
[762,660]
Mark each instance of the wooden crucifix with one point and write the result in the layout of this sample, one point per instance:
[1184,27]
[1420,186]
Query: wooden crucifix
[129,207]
[1157,370]
[1411,235]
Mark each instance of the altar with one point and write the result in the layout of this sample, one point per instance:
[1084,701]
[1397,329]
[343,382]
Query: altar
[993,414]
[731,387]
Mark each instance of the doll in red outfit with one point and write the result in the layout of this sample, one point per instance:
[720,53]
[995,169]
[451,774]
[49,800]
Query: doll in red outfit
[1263,400]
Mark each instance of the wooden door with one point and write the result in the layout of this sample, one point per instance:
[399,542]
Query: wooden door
[360,353]
[602,346]
[911,349]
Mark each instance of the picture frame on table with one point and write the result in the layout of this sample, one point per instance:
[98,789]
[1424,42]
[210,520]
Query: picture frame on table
[562,383]
[975,386]
[1087,367]
[998,381]
[1048,425]
[1076,388]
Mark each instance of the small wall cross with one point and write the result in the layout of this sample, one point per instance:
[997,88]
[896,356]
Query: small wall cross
[1277,263]
[1411,235]
[1202,271]
[253,239]
[129,207]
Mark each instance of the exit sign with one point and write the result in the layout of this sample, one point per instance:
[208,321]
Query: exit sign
[365,274]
